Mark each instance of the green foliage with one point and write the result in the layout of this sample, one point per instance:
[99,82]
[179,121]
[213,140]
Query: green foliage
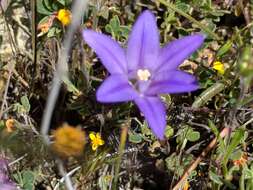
[117,30]
[169,131]
[23,106]
[176,164]
[26,179]
[135,137]
[187,133]
[235,141]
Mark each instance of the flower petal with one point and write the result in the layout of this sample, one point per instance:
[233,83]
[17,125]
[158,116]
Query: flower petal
[116,88]
[143,44]
[109,51]
[101,142]
[92,136]
[154,112]
[8,186]
[172,82]
[94,147]
[173,54]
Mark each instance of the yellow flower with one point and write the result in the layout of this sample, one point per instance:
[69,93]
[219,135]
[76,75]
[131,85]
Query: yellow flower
[64,15]
[68,141]
[219,66]
[96,140]
[186,185]
[10,125]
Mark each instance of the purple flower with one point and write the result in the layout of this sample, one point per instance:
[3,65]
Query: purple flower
[5,182]
[144,70]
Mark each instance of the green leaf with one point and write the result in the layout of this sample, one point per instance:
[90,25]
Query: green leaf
[236,155]
[124,31]
[135,138]
[248,173]
[42,9]
[48,5]
[215,178]
[224,49]
[104,12]
[70,86]
[62,2]
[169,131]
[25,103]
[236,139]
[53,31]
[213,127]
[182,5]
[115,29]
[115,23]
[193,136]
[28,179]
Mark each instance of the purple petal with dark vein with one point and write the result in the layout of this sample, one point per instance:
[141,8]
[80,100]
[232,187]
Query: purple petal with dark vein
[108,50]
[172,82]
[116,88]
[143,43]
[154,112]
[173,54]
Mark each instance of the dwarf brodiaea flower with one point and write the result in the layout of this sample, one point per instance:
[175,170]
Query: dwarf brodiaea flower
[144,70]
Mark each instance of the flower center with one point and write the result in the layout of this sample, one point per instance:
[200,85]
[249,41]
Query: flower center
[143,74]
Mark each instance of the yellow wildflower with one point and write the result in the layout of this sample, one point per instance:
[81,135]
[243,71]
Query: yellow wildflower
[68,141]
[64,15]
[186,185]
[219,66]
[96,140]
[10,125]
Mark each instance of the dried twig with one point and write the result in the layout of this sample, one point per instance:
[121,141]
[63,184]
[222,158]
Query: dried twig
[193,166]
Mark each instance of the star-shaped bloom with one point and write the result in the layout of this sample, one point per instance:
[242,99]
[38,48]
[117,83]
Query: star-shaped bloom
[96,140]
[144,70]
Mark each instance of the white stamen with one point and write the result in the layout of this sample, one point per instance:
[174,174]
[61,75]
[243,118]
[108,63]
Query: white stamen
[143,74]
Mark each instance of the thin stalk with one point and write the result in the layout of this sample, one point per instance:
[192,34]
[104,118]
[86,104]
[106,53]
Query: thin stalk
[123,138]
[34,35]
[60,75]
[66,177]
[242,180]
[190,18]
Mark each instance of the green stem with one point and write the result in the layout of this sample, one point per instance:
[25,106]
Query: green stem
[208,94]
[241,181]
[190,18]
[123,138]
